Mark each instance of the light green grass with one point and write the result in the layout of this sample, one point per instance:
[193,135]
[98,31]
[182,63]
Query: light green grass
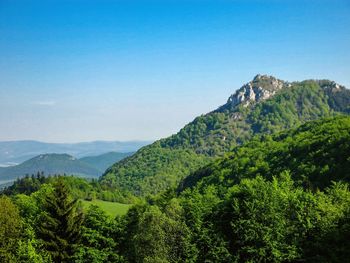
[111,208]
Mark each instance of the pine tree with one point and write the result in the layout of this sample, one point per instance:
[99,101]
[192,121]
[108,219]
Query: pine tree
[61,221]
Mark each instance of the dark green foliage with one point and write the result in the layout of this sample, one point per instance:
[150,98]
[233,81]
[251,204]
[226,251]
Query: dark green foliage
[81,188]
[171,164]
[98,243]
[328,240]
[157,235]
[302,102]
[60,223]
[26,185]
[162,164]
[274,221]
[263,221]
[315,154]
[258,220]
[338,97]
[207,245]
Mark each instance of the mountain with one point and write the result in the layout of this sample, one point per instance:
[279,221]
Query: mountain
[14,152]
[103,161]
[50,164]
[265,105]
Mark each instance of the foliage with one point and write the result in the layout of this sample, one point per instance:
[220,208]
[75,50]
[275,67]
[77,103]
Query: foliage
[171,164]
[81,188]
[26,185]
[274,221]
[316,153]
[10,229]
[98,242]
[153,235]
[60,223]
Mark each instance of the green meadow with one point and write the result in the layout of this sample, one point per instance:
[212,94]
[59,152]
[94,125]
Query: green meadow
[111,208]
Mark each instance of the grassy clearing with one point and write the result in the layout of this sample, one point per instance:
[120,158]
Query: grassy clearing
[111,208]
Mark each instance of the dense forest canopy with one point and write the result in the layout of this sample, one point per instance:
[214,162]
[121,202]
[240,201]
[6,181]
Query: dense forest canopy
[315,154]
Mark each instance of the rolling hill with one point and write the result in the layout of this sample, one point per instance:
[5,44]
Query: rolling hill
[265,105]
[50,164]
[103,161]
[15,152]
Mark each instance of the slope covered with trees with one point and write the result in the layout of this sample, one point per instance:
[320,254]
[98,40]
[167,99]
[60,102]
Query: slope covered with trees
[315,154]
[264,105]
[278,198]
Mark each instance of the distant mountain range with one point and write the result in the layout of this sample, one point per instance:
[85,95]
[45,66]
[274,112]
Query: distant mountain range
[50,164]
[15,152]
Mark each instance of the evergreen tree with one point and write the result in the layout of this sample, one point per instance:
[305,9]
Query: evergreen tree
[60,225]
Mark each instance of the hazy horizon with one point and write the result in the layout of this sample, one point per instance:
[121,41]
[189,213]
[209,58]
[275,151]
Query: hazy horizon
[76,142]
[80,71]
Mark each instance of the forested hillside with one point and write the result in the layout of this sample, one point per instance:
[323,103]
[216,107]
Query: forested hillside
[315,154]
[263,106]
[282,197]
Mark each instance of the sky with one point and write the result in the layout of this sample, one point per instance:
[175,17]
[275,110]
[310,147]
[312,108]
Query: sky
[77,70]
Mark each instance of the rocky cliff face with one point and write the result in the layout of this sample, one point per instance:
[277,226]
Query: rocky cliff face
[260,88]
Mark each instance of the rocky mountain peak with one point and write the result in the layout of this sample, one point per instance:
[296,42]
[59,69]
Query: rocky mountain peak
[260,88]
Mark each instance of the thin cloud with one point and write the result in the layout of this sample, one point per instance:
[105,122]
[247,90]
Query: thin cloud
[48,103]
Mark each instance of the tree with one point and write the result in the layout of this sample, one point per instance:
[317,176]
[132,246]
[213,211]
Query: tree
[158,236]
[10,229]
[60,226]
[98,233]
[264,220]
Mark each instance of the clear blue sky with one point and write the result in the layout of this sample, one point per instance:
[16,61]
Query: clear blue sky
[120,70]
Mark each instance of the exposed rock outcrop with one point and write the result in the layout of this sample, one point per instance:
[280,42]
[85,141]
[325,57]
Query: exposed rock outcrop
[260,88]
